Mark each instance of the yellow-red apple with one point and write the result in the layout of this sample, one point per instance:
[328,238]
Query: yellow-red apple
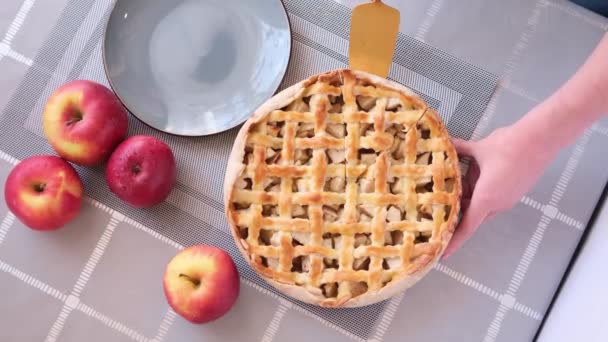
[44,192]
[141,171]
[84,121]
[201,283]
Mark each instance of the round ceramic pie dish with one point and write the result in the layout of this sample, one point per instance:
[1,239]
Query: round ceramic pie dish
[343,189]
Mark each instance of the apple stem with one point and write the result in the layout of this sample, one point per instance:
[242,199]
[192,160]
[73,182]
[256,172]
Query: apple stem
[39,187]
[75,117]
[196,282]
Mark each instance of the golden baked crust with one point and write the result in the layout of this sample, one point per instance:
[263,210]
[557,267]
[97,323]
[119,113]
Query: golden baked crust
[336,195]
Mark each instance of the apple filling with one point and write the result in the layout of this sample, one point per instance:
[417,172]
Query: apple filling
[333,213]
[303,156]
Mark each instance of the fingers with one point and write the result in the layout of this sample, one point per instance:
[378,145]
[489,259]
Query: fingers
[471,220]
[476,212]
[464,204]
[464,147]
[473,172]
[469,181]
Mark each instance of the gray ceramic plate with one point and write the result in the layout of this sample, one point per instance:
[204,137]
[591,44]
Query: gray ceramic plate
[196,67]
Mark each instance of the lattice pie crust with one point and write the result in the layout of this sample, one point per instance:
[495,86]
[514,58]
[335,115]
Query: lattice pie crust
[336,195]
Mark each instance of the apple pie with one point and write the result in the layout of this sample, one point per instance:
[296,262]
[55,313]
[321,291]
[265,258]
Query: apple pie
[343,189]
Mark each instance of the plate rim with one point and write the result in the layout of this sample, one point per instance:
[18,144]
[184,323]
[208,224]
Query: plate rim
[136,116]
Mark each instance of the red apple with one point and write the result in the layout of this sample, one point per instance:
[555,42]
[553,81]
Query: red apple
[44,192]
[141,171]
[201,283]
[84,121]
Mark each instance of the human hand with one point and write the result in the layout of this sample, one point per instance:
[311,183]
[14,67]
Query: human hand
[504,166]
[507,163]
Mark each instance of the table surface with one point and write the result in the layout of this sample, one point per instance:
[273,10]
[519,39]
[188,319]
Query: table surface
[533,46]
[578,312]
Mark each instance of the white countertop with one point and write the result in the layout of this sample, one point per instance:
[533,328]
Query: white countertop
[579,313]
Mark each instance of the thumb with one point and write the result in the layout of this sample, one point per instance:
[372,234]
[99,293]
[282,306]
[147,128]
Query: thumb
[471,220]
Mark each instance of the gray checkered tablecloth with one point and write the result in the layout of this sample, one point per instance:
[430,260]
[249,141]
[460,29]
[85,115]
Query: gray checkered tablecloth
[99,278]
